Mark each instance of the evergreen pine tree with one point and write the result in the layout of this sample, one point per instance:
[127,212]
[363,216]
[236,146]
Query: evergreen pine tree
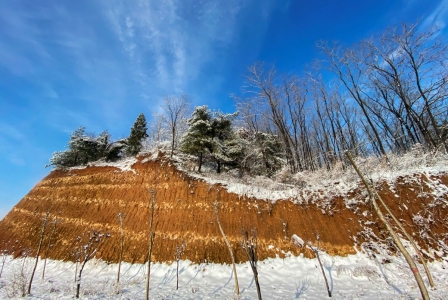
[75,154]
[138,134]
[77,148]
[210,134]
[84,148]
[225,148]
[198,139]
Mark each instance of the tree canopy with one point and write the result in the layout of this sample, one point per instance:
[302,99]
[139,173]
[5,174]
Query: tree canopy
[83,148]
[210,134]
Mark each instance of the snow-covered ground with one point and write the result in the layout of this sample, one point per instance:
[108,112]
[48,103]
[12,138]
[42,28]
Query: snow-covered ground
[322,185]
[352,277]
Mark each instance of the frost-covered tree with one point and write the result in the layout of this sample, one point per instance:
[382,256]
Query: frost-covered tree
[83,148]
[261,153]
[175,110]
[88,246]
[115,149]
[225,147]
[197,141]
[210,134]
[138,134]
[270,151]
[75,153]
[158,132]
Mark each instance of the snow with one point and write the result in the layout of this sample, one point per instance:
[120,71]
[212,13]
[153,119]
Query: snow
[324,185]
[296,240]
[124,164]
[352,277]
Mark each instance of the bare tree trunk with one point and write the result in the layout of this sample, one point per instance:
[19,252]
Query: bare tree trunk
[249,246]
[409,237]
[87,252]
[76,267]
[151,240]
[352,80]
[120,217]
[49,246]
[78,284]
[394,236]
[175,110]
[316,251]
[199,162]
[179,251]
[44,225]
[215,208]
[4,252]
[22,273]
[257,283]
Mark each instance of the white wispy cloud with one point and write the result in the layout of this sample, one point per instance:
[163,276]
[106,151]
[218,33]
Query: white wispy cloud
[437,18]
[10,137]
[16,160]
[68,53]
[11,132]
[62,55]
[169,42]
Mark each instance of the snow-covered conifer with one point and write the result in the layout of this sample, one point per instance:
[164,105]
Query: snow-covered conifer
[211,134]
[198,139]
[138,134]
[83,148]
[225,146]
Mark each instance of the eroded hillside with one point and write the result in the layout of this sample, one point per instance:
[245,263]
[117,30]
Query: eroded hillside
[91,198]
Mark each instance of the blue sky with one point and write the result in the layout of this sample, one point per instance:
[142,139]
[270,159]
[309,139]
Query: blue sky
[65,64]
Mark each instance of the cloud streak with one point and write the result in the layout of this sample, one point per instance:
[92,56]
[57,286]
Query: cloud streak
[437,18]
[168,44]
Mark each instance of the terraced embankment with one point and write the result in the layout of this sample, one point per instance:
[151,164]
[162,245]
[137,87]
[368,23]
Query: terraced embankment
[90,199]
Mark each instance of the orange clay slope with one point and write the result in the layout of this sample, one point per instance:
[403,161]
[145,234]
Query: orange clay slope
[91,198]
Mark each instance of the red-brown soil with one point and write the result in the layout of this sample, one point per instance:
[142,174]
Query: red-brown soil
[90,199]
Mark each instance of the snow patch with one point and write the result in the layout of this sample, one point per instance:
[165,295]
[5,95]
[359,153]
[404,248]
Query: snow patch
[124,164]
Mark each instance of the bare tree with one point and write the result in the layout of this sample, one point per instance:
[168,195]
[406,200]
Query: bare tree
[120,218]
[175,110]
[398,78]
[157,131]
[316,252]
[297,241]
[87,251]
[49,245]
[179,251]
[22,278]
[249,245]
[409,237]
[350,70]
[44,225]
[4,256]
[151,241]
[215,209]
[271,100]
[396,239]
